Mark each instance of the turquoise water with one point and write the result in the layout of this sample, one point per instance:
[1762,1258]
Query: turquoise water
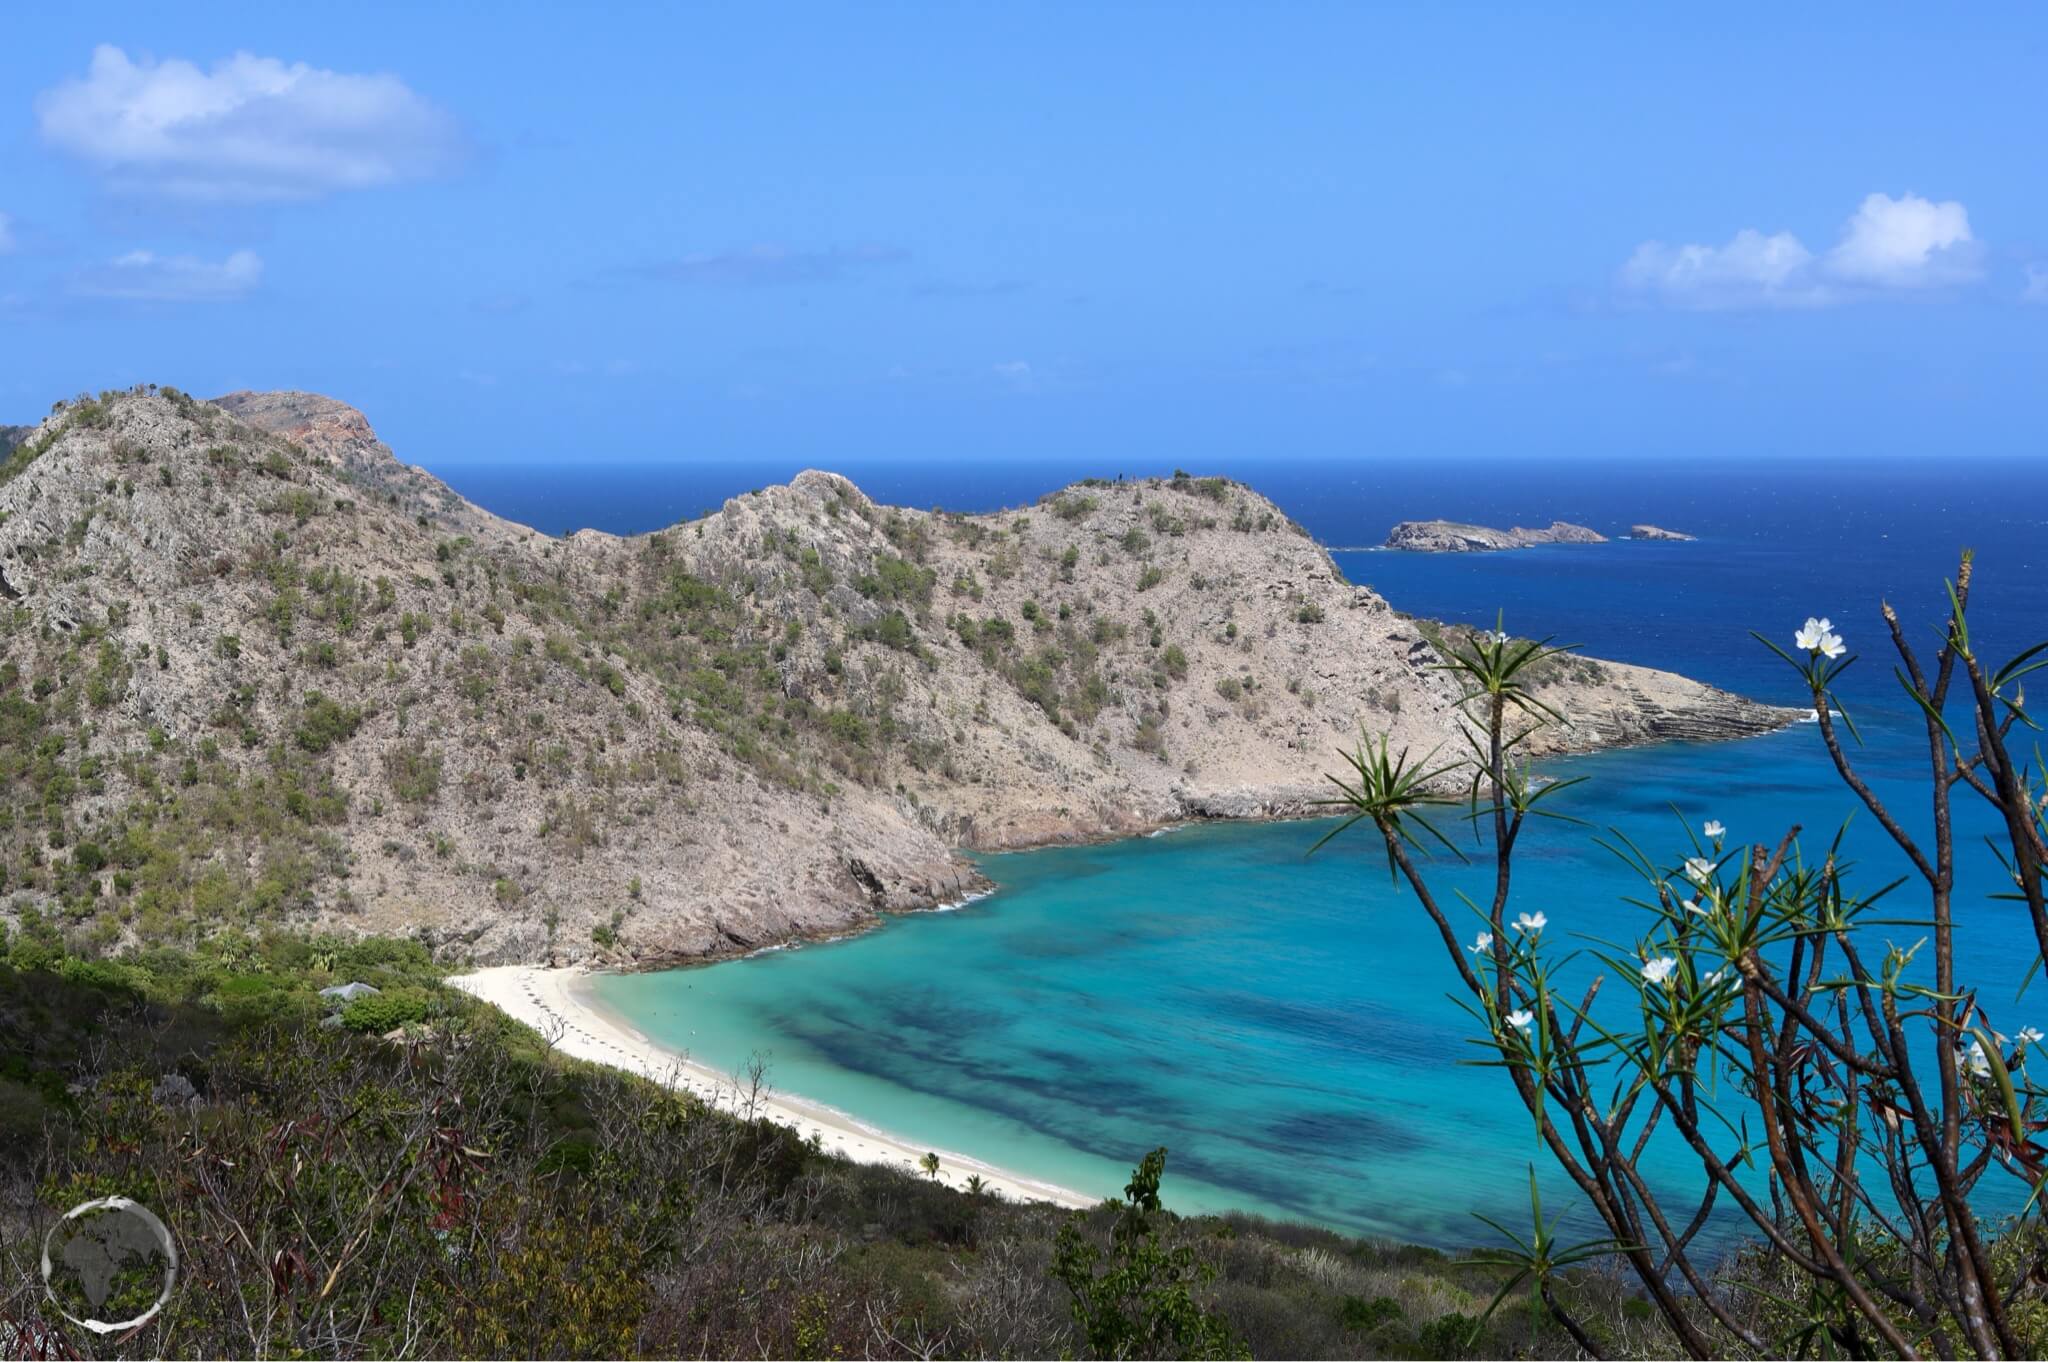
[1281,1022]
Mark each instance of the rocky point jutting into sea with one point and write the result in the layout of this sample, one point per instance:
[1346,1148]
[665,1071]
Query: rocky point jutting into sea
[297,681]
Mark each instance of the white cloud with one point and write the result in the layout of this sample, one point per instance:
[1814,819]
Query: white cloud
[1907,242]
[6,233]
[2036,290]
[146,277]
[1752,270]
[1887,246]
[251,128]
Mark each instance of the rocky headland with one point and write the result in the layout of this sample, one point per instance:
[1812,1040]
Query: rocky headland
[260,673]
[1450,536]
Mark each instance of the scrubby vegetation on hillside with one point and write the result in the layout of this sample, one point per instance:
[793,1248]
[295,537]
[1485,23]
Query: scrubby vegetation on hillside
[317,697]
[263,674]
[454,1188]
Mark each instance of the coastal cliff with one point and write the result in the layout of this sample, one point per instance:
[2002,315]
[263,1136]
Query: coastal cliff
[1451,536]
[260,672]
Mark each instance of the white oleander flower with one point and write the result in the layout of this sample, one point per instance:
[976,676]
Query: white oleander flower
[1693,906]
[1498,636]
[1978,1064]
[1811,633]
[1531,923]
[1658,970]
[1712,979]
[1714,830]
[1481,944]
[2032,1035]
[1520,1018]
[1699,870]
[1831,646]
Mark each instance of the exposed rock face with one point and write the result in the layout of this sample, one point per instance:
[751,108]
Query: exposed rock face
[1659,532]
[341,436]
[1450,536]
[243,683]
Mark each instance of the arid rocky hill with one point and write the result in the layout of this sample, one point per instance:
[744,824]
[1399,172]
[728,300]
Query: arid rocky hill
[259,672]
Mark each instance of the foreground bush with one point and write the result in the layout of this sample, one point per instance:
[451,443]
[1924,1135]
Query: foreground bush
[466,1192]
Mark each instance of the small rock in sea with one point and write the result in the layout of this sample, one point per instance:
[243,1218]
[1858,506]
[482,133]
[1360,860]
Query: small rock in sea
[1659,532]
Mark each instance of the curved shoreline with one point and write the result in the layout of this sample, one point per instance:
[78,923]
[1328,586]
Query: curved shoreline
[550,1001]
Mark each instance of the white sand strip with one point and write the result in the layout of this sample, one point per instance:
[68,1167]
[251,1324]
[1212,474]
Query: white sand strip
[549,1002]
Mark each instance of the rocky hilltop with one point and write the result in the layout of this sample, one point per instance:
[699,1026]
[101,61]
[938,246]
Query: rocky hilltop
[1450,536]
[258,672]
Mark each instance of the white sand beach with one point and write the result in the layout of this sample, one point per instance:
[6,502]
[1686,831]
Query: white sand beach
[548,1000]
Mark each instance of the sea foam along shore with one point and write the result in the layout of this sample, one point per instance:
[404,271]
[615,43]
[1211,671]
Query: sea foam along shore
[549,1000]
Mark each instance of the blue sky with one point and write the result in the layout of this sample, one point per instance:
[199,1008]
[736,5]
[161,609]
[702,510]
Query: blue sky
[805,233]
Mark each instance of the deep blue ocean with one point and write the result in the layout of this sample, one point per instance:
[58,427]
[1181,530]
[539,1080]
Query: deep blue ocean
[1281,1022]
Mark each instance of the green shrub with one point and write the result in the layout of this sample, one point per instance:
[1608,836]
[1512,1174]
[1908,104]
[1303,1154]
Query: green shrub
[1071,505]
[324,722]
[893,631]
[24,1114]
[414,772]
[1447,1337]
[376,1013]
[847,727]
[1358,1313]
[1141,1304]
[896,579]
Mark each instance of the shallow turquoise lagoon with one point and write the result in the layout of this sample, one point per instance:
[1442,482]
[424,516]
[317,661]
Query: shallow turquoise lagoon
[1279,1021]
